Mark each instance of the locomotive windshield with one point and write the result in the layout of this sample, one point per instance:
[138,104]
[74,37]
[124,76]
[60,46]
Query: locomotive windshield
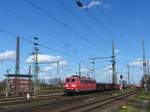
[73,80]
[67,80]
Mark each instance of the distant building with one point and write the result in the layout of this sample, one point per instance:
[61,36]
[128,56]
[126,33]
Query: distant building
[24,82]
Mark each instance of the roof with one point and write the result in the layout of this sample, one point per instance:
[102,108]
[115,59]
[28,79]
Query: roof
[20,75]
[81,77]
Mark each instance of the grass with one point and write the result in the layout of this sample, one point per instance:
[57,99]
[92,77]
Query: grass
[133,105]
[144,96]
[129,109]
[118,92]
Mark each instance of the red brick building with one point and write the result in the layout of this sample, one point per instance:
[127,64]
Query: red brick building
[24,83]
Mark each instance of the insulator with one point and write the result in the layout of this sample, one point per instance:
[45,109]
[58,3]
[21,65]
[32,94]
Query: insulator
[79,3]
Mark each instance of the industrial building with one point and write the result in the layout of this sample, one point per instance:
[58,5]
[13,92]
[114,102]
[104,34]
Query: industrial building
[21,83]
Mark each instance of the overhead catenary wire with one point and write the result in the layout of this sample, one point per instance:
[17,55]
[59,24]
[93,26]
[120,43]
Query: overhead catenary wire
[80,4]
[113,25]
[30,41]
[14,35]
[108,31]
[99,23]
[81,22]
[63,24]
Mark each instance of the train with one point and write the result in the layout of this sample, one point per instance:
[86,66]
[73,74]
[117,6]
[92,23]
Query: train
[77,84]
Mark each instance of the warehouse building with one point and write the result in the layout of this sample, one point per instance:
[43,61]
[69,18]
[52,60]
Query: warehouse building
[22,83]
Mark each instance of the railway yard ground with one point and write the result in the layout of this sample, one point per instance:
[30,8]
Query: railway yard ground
[44,102]
[125,101]
[141,103]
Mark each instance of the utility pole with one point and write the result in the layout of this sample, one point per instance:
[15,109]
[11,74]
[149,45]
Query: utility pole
[30,82]
[148,75]
[128,66]
[79,69]
[17,72]
[6,90]
[93,66]
[114,77]
[7,84]
[36,67]
[144,68]
[57,72]
[57,68]
[148,67]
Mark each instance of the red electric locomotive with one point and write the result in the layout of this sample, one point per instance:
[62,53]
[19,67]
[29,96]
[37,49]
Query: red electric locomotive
[76,84]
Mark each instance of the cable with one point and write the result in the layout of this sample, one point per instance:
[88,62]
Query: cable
[102,25]
[108,19]
[99,23]
[113,25]
[83,24]
[39,44]
[62,23]
[29,41]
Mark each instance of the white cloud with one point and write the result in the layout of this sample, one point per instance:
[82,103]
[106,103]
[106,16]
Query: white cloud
[93,3]
[53,66]
[136,63]
[108,69]
[43,58]
[7,55]
[109,72]
[47,69]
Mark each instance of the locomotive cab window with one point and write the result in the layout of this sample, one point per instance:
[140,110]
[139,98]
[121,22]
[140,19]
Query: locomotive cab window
[73,80]
[67,80]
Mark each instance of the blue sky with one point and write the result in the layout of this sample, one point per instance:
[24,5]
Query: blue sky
[130,20]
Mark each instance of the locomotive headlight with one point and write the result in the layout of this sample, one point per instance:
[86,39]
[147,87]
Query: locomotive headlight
[73,85]
[66,85]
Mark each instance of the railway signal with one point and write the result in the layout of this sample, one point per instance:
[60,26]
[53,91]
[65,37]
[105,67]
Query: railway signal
[121,77]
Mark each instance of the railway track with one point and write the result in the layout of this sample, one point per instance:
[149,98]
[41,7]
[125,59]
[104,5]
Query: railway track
[55,104]
[48,103]
[89,107]
[24,97]
[20,100]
